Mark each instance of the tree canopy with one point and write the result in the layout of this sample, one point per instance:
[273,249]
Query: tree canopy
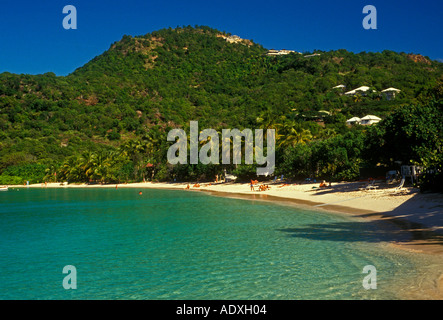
[109,118]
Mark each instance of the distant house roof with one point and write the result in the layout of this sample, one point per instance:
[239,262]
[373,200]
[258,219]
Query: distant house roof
[362,88]
[274,52]
[354,119]
[339,86]
[369,120]
[391,89]
[370,117]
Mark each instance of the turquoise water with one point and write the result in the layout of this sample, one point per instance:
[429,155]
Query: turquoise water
[167,244]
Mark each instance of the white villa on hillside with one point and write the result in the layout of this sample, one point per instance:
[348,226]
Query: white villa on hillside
[274,52]
[362,90]
[389,93]
[369,119]
[353,121]
[365,121]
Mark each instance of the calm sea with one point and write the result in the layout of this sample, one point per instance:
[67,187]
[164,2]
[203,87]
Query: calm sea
[167,244]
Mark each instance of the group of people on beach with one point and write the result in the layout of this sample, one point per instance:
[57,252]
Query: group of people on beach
[262,187]
[218,179]
[196,185]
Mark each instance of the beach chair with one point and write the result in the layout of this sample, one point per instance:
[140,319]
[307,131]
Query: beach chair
[370,186]
[400,186]
[397,188]
[391,176]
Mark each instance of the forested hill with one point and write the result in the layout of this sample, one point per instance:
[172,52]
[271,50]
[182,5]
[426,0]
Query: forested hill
[144,85]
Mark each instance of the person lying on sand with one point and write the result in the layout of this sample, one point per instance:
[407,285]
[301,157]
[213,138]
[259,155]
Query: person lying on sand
[263,187]
[283,185]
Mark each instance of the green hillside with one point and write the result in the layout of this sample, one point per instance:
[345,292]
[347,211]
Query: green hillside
[109,118]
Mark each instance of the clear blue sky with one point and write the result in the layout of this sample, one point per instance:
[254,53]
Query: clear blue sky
[33,40]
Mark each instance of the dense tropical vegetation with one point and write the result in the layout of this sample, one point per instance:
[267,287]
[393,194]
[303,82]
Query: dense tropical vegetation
[108,120]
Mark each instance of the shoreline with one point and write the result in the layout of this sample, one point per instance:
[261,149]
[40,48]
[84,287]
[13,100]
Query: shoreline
[412,221]
[413,212]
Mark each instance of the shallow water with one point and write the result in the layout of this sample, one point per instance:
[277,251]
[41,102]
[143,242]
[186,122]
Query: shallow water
[170,244]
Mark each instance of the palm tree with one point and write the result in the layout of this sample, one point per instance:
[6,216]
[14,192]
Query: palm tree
[101,163]
[86,164]
[358,97]
[51,173]
[133,147]
[136,151]
[267,119]
[71,170]
[295,137]
[327,133]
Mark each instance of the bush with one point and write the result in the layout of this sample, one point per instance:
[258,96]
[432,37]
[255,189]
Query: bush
[349,174]
[8,180]
[33,172]
[114,135]
[296,162]
[245,172]
[432,182]
[163,174]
